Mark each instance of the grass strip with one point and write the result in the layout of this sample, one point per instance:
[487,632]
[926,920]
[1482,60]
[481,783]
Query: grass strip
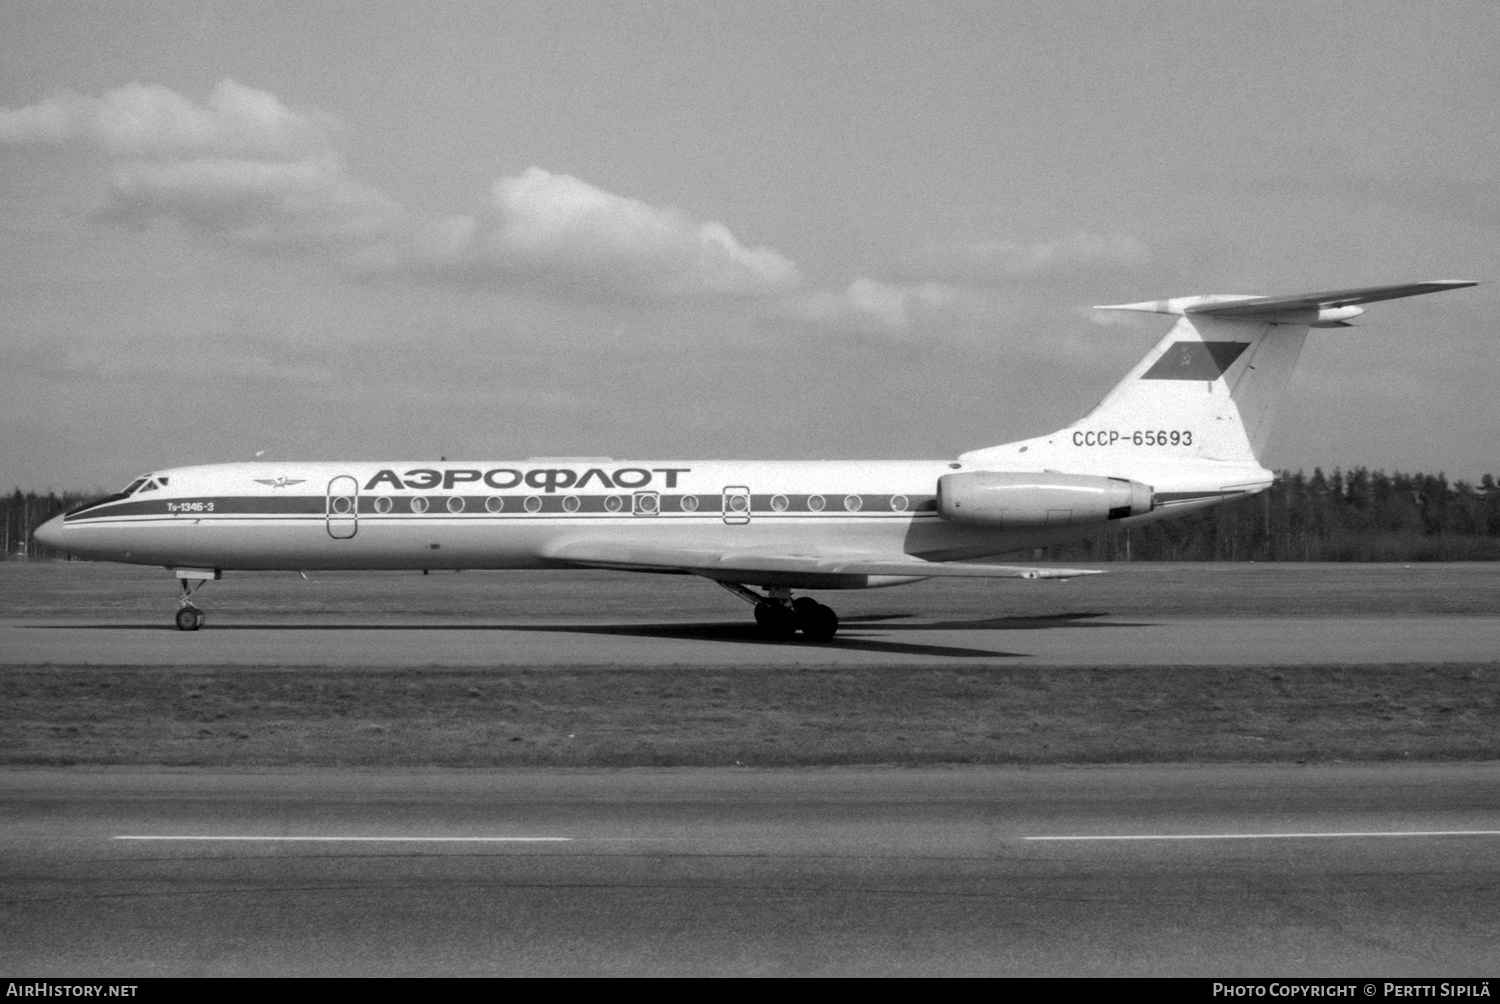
[602,717]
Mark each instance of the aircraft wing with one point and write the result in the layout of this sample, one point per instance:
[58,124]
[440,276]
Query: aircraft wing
[1324,301]
[725,564]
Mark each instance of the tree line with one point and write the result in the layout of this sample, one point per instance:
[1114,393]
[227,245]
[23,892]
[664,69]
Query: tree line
[25,511]
[1358,515]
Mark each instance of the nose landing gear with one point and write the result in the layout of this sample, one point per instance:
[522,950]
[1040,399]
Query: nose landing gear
[189,616]
[781,617]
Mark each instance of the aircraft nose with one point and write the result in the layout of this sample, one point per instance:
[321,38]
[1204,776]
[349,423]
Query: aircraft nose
[50,533]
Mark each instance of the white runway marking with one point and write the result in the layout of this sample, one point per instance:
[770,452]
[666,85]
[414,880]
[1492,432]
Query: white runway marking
[388,840]
[1280,836]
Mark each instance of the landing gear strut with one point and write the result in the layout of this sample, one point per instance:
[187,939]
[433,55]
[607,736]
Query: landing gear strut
[781,617]
[189,617]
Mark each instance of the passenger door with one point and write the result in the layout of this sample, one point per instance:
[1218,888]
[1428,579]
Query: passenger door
[343,507]
[736,504]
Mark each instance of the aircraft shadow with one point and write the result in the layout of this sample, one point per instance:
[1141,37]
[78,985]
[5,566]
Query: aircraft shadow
[736,633]
[1040,622]
[851,638]
[739,633]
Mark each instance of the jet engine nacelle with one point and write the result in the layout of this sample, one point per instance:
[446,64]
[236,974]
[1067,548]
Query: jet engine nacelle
[996,498]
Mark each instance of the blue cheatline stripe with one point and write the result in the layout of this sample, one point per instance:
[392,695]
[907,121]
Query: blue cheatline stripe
[761,506]
[489,519]
[299,505]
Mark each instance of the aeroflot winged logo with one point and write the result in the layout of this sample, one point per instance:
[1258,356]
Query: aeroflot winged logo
[1195,361]
[548,479]
[281,481]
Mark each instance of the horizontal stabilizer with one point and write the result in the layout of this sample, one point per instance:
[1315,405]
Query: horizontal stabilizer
[727,564]
[1334,305]
[1326,301]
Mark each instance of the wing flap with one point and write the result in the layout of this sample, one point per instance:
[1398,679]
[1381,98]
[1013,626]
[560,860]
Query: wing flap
[724,564]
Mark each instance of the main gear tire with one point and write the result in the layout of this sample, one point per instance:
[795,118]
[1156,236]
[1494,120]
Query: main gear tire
[776,620]
[817,622]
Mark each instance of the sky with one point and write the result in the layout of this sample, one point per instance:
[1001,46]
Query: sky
[325,230]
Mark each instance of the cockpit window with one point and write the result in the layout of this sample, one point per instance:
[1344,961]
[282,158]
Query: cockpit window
[120,495]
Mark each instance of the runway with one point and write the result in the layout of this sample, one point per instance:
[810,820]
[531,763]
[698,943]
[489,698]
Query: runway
[77,613]
[1077,639]
[1388,870]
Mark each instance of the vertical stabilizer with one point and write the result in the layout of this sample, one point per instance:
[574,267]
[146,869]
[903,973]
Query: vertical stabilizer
[1208,391]
[1212,385]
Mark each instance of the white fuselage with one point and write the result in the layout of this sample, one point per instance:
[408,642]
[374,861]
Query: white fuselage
[512,514]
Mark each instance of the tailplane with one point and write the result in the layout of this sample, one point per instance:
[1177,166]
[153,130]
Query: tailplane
[1208,391]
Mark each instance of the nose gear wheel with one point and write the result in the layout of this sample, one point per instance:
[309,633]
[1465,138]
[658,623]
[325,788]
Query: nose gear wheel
[189,616]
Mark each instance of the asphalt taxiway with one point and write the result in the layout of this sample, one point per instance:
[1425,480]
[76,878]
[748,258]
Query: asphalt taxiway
[1217,871]
[1060,640]
[1210,870]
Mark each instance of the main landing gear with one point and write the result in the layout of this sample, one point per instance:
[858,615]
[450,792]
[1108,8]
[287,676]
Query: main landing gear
[781,617]
[189,617]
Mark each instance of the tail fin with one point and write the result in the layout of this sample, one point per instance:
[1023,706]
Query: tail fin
[1209,390]
[1213,385]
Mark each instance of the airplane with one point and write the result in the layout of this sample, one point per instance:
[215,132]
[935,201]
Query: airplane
[1184,429]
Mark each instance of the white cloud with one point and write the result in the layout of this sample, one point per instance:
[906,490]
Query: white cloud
[148,120]
[959,291]
[268,205]
[246,170]
[1002,261]
[553,226]
[866,306]
[543,232]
